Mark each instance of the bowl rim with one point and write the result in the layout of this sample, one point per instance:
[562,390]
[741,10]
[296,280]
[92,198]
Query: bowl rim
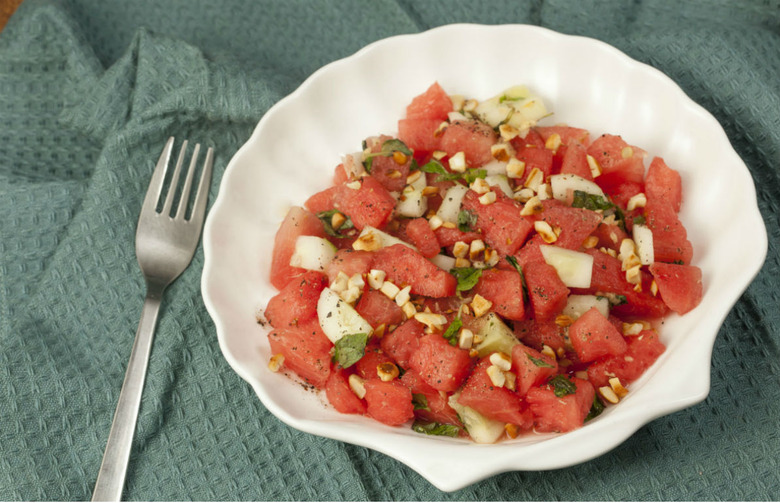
[387,441]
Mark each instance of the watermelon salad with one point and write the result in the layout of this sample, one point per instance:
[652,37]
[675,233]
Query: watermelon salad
[480,276]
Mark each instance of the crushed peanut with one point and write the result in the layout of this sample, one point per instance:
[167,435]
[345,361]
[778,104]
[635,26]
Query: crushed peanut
[496,376]
[501,360]
[387,371]
[276,362]
[465,338]
[357,385]
[487,198]
[545,231]
[369,241]
[533,206]
[609,394]
[618,387]
[515,168]
[389,289]
[480,305]
[458,162]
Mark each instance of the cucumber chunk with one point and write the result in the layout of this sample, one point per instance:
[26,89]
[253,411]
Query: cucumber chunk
[337,318]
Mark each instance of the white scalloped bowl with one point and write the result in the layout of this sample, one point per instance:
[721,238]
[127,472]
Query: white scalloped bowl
[587,83]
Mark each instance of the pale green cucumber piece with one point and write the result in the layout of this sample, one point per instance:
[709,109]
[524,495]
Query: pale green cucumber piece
[312,253]
[577,305]
[574,268]
[337,318]
[495,335]
[481,429]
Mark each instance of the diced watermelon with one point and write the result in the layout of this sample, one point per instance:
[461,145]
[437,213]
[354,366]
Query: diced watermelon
[386,170]
[609,236]
[405,266]
[402,342]
[531,367]
[350,262]
[567,134]
[388,402]
[535,157]
[340,175]
[377,309]
[448,236]
[537,334]
[419,134]
[575,161]
[441,365]
[494,402]
[560,414]
[576,224]
[373,357]
[680,286]
[322,201]
[670,239]
[546,291]
[593,336]
[422,236]
[436,408]
[297,222]
[473,138]
[341,396]
[532,139]
[371,204]
[297,301]
[504,289]
[663,184]
[619,161]
[504,229]
[306,351]
[434,103]
[643,350]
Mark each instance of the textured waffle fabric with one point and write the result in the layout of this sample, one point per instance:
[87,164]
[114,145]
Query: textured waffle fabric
[90,90]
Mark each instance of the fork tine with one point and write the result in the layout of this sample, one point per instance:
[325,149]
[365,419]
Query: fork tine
[201,198]
[185,191]
[174,181]
[158,176]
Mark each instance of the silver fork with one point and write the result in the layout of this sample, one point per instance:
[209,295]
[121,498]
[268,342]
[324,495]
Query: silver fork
[164,246]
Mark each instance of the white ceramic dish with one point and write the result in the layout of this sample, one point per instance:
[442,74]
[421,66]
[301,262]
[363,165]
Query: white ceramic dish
[587,83]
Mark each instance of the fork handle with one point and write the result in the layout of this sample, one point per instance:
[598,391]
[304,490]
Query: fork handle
[111,478]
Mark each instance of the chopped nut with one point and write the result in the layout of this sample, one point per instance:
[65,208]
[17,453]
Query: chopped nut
[476,248]
[617,387]
[544,191]
[545,231]
[492,258]
[501,360]
[510,380]
[634,275]
[439,154]
[533,206]
[458,162]
[276,362]
[439,130]
[632,328]
[433,321]
[357,385]
[409,310]
[512,431]
[508,132]
[430,190]
[376,278]
[470,105]
[380,330]
[654,288]
[355,185]
[480,305]
[449,225]
[369,241]
[435,222]
[389,289]
[636,201]
[590,242]
[340,282]
[524,195]
[460,249]
[553,142]
[403,296]
[502,151]
[563,320]
[413,176]
[496,376]
[351,294]
[515,168]
[535,178]
[356,280]
[487,198]
[458,100]
[387,371]
[394,173]
[480,186]
[337,220]
[465,338]
[399,157]
[462,262]
[593,164]
[548,351]
[608,394]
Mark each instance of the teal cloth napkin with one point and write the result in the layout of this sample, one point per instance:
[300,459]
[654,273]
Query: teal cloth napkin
[89,92]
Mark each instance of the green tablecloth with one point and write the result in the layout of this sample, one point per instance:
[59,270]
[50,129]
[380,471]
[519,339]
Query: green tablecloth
[89,91]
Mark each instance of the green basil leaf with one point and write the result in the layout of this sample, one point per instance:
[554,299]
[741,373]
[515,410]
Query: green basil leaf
[467,221]
[562,386]
[595,409]
[467,277]
[513,260]
[451,334]
[394,145]
[326,217]
[435,167]
[432,428]
[420,402]
[538,361]
[349,349]
[472,174]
